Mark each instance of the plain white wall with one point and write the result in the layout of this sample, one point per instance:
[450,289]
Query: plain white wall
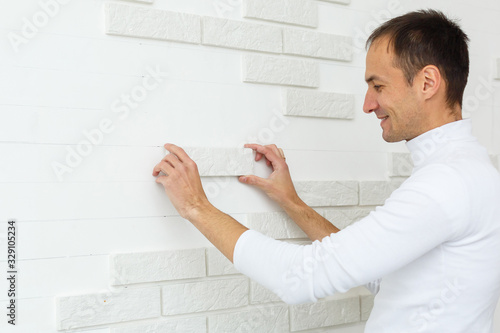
[65,79]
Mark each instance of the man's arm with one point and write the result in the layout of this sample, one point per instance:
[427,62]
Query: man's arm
[279,187]
[182,184]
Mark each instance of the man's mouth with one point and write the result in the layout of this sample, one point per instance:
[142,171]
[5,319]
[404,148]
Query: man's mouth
[383,119]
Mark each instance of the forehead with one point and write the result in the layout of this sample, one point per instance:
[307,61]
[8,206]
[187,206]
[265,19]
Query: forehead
[380,61]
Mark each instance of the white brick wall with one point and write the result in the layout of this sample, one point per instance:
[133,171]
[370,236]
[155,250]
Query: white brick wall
[129,268]
[317,44]
[498,69]
[218,264]
[204,296]
[279,70]
[366,305]
[325,313]
[193,325]
[276,225]
[222,161]
[343,217]
[343,2]
[400,164]
[259,294]
[66,78]
[267,319]
[495,160]
[328,193]
[298,12]
[112,307]
[241,35]
[374,192]
[143,1]
[311,103]
[135,21]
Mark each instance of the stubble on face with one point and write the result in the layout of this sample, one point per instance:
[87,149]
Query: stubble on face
[397,100]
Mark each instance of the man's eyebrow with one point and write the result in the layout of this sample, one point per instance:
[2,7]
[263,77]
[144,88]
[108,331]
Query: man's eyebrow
[373,77]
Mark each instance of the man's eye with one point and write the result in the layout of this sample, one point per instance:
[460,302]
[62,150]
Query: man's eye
[377,87]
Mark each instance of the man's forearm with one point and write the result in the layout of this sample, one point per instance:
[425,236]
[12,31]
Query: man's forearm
[219,228]
[314,225]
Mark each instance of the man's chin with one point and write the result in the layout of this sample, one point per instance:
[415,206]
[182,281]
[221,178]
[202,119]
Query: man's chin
[390,138]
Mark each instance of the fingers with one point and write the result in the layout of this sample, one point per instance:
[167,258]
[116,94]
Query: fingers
[178,151]
[272,153]
[166,165]
[282,154]
[161,180]
[253,180]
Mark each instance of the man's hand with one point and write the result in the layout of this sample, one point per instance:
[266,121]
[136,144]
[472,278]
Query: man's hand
[181,181]
[182,184]
[279,186]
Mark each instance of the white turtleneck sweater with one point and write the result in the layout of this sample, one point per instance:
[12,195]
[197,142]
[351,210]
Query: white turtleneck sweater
[431,253]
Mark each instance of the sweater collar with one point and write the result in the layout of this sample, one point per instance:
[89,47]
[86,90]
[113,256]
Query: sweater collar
[424,145]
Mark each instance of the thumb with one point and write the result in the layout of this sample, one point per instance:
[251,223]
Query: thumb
[253,180]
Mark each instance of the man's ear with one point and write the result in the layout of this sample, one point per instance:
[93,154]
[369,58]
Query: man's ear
[431,81]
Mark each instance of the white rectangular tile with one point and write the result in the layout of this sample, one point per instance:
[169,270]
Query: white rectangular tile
[280,70]
[241,35]
[297,12]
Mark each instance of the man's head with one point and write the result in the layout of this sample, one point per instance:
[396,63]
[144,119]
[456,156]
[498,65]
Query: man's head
[416,68]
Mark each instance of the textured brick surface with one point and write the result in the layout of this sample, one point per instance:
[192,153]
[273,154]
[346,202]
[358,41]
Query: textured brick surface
[325,313]
[400,164]
[262,319]
[342,2]
[259,294]
[274,224]
[366,305]
[218,264]
[374,192]
[222,161]
[192,325]
[311,103]
[241,35]
[317,44]
[130,268]
[297,12]
[105,308]
[495,160]
[135,21]
[141,1]
[342,217]
[279,70]
[328,193]
[205,296]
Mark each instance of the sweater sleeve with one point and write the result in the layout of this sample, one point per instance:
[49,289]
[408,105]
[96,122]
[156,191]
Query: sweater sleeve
[427,210]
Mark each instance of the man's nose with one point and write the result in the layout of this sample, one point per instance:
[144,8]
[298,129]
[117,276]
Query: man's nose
[371,103]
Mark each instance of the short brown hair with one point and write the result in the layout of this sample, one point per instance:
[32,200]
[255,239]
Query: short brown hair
[428,37]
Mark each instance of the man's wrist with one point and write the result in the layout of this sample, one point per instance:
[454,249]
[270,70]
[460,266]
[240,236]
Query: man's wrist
[197,214]
[294,206]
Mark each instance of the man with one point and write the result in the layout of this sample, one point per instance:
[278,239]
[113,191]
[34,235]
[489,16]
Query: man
[431,252]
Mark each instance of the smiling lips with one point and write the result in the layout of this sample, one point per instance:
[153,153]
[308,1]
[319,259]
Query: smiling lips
[384,118]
